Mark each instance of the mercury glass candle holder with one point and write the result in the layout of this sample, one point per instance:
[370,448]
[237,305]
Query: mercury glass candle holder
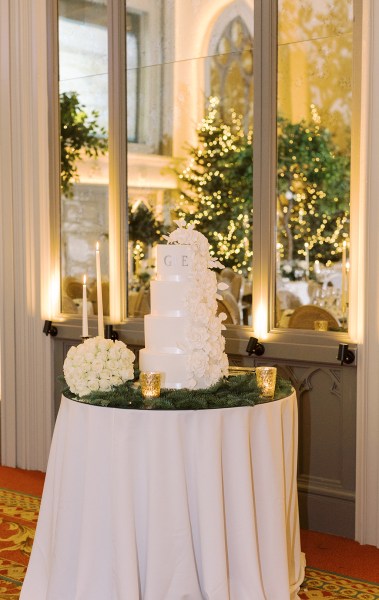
[320,325]
[150,384]
[266,380]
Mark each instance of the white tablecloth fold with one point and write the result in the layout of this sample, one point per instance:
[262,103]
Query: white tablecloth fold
[174,505]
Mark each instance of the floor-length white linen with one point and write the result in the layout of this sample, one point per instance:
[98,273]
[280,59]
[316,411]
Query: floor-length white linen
[171,505]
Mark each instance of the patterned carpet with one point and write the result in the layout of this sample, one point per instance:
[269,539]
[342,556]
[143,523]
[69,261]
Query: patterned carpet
[321,584]
[18,518]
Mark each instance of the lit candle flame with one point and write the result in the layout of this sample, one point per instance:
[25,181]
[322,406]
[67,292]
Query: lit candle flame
[97,246]
[84,279]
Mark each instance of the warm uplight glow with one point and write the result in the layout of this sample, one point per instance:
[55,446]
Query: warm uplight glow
[260,322]
[99,296]
[117,277]
[51,298]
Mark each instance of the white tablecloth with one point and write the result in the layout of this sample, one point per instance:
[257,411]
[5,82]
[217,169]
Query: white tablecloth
[172,505]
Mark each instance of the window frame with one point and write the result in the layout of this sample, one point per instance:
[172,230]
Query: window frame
[281,343]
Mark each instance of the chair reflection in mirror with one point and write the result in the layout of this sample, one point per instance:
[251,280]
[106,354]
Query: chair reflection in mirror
[230,307]
[139,303]
[72,296]
[286,302]
[304,317]
[92,297]
[239,291]
[234,281]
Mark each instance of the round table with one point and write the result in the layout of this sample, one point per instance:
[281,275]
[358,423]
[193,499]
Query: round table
[169,505]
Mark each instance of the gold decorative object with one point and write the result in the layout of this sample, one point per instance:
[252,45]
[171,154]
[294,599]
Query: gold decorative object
[320,325]
[266,380]
[150,384]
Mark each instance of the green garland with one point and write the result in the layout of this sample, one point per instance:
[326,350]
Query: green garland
[236,390]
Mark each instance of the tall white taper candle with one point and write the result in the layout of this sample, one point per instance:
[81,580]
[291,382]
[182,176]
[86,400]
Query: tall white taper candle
[306,246]
[84,309]
[278,248]
[100,317]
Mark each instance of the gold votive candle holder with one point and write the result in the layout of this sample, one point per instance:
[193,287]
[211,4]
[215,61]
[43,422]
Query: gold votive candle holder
[320,325]
[150,384]
[266,380]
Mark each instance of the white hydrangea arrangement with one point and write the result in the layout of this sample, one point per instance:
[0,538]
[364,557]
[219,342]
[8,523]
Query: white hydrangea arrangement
[98,365]
[204,341]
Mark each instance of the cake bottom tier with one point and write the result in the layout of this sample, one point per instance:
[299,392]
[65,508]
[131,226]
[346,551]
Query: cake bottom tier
[173,367]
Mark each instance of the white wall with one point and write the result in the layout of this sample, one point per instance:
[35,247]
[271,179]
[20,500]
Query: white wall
[26,419]
[367,492]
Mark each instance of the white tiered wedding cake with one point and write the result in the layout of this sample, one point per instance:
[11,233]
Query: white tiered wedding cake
[183,339]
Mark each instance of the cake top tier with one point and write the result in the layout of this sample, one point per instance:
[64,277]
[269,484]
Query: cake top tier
[186,235]
[174,262]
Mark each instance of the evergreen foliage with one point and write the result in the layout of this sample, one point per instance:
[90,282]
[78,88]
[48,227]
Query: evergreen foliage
[80,134]
[216,187]
[313,189]
[238,390]
[144,227]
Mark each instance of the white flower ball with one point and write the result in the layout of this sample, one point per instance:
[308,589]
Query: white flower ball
[97,365]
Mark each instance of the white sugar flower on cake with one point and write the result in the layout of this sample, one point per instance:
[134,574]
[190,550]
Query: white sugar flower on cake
[98,365]
[183,333]
[207,359]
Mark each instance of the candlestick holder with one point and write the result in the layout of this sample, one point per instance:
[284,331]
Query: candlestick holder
[150,384]
[266,380]
[320,325]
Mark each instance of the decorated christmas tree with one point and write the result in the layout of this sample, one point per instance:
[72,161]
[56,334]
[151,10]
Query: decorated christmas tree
[313,189]
[216,187]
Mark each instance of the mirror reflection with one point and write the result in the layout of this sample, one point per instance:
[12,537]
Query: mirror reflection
[190,118]
[83,95]
[190,101]
[313,183]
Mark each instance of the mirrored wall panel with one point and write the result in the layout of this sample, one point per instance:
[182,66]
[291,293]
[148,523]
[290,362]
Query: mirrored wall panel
[83,95]
[315,50]
[190,127]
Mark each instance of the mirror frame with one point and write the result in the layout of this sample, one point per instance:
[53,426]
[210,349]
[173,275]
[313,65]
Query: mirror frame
[281,343]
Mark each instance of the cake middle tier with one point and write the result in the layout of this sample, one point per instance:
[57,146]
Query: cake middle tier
[172,367]
[168,298]
[165,333]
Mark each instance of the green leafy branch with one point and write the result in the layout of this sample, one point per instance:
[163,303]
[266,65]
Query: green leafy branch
[80,134]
